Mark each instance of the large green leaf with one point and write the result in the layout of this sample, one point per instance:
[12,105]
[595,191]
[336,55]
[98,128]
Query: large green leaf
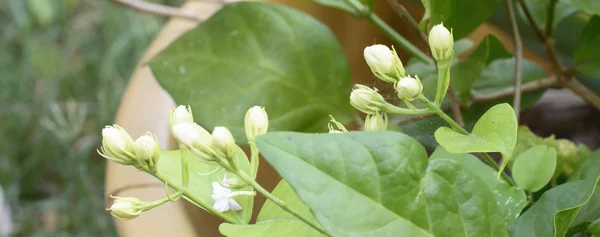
[539,12]
[511,200]
[534,168]
[274,221]
[588,169]
[252,53]
[587,50]
[380,184]
[463,16]
[495,131]
[555,211]
[200,186]
[588,6]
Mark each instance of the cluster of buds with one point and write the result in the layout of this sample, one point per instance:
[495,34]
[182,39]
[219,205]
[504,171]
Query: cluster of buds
[118,146]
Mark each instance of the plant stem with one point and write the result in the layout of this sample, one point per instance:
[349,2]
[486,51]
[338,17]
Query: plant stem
[461,130]
[405,15]
[161,201]
[455,106]
[518,57]
[392,109]
[278,201]
[197,201]
[526,87]
[185,172]
[550,17]
[254,159]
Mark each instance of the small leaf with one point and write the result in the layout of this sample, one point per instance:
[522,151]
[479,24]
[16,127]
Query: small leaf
[511,200]
[495,131]
[591,7]
[380,184]
[534,168]
[254,53]
[273,221]
[463,16]
[587,50]
[200,186]
[554,212]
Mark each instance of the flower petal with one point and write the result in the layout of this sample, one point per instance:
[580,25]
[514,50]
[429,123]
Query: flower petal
[221,205]
[234,205]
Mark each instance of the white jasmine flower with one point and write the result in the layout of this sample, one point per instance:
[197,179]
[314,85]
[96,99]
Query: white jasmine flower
[223,196]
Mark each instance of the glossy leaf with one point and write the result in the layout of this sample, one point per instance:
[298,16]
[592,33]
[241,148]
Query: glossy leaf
[495,131]
[511,200]
[274,221]
[380,184]
[591,7]
[200,186]
[252,53]
[587,50]
[534,168]
[463,16]
[588,169]
[539,11]
[554,212]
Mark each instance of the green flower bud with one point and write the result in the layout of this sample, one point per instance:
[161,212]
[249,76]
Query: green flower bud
[441,43]
[377,122]
[223,141]
[256,122]
[147,150]
[409,88]
[117,145]
[126,208]
[366,99]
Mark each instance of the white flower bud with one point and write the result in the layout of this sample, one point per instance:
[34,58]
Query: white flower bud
[409,88]
[376,122]
[441,43]
[191,134]
[384,63]
[117,145]
[366,99]
[126,208]
[256,122]
[147,150]
[181,114]
[223,141]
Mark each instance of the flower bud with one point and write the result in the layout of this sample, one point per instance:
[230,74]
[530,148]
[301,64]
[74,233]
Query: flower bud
[376,122]
[126,208]
[409,88]
[366,99]
[441,43]
[147,150]
[256,122]
[223,141]
[339,127]
[117,145]
[384,63]
[191,134]
[181,114]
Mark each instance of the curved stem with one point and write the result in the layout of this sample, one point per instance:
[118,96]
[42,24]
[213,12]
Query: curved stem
[461,130]
[278,201]
[392,109]
[161,201]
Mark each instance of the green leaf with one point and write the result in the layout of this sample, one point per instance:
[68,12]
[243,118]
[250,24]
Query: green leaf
[511,200]
[594,228]
[591,7]
[588,169]
[495,131]
[274,221]
[253,53]
[534,168]
[539,12]
[554,212]
[465,72]
[463,16]
[380,184]
[500,75]
[587,50]
[200,186]
[461,46]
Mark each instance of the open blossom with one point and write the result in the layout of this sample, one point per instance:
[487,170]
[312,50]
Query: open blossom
[223,196]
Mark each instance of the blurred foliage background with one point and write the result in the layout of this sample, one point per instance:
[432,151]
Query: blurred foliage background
[63,67]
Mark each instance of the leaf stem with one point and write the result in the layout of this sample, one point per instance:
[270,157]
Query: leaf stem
[460,129]
[518,57]
[249,180]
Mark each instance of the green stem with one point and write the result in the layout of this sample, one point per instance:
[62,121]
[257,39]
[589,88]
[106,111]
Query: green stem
[161,201]
[196,200]
[185,172]
[461,130]
[254,159]
[550,17]
[392,109]
[278,201]
[389,31]
[443,82]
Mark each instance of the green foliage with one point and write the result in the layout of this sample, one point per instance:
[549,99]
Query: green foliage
[274,221]
[364,184]
[588,169]
[589,6]
[534,168]
[463,16]
[594,228]
[554,212]
[539,12]
[587,50]
[511,200]
[200,186]
[252,53]
[495,131]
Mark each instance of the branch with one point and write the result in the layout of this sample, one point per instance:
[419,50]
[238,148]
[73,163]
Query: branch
[405,15]
[518,57]
[455,106]
[157,9]
[583,92]
[507,92]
